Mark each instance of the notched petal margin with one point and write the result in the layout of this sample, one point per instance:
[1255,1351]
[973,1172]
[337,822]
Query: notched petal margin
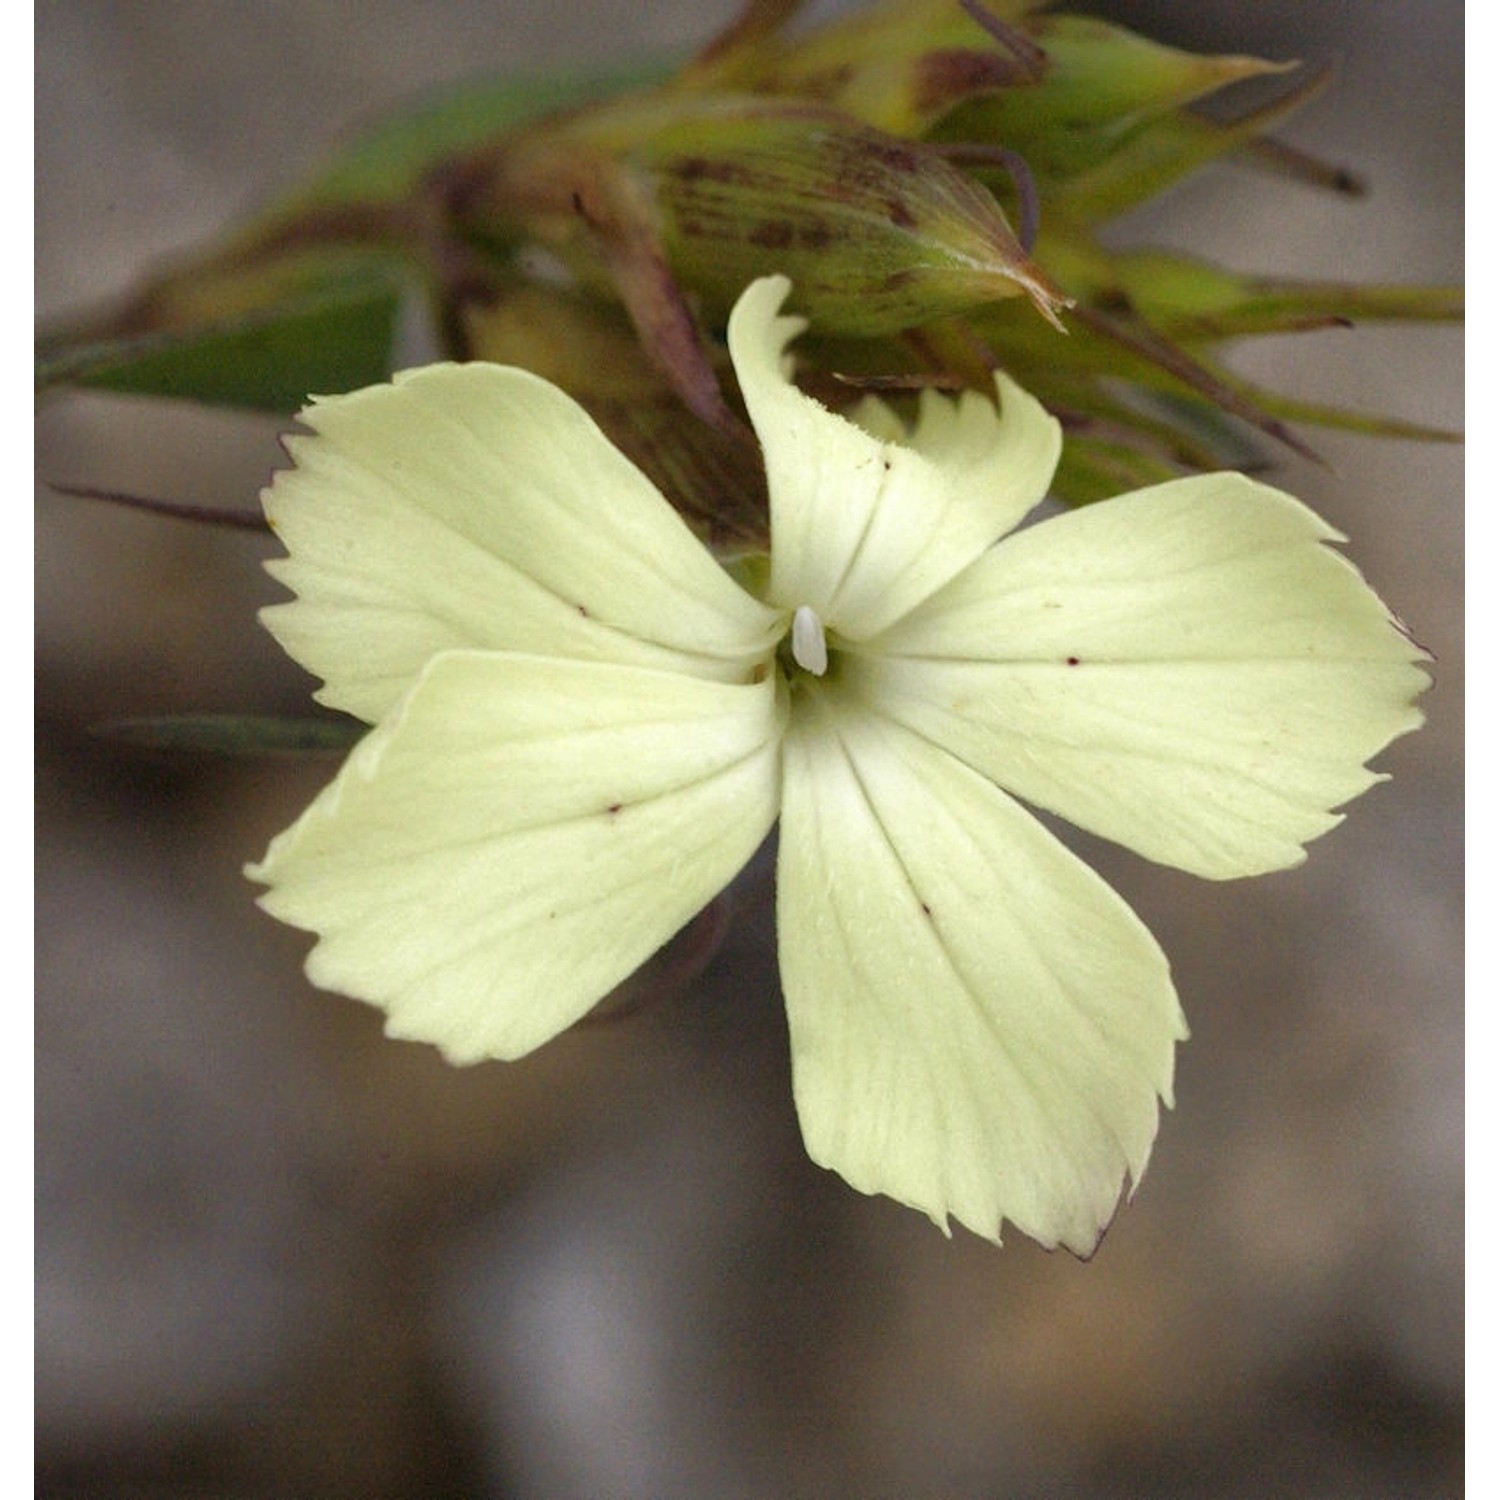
[479,507]
[1189,670]
[519,836]
[980,1027]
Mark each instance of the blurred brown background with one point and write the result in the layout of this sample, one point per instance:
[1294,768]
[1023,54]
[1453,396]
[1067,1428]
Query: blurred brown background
[279,1255]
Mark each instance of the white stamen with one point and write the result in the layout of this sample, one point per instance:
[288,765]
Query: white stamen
[809,649]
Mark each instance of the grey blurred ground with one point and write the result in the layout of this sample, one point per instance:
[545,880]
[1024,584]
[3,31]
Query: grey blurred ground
[279,1255]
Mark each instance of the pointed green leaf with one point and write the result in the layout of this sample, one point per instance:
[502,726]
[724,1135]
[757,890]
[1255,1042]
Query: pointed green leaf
[1167,149]
[234,734]
[1188,299]
[1318,414]
[333,338]
[1108,348]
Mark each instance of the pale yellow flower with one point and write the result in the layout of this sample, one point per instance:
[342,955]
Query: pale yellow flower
[584,727]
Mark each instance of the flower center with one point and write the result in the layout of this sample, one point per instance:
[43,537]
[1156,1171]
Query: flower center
[809,646]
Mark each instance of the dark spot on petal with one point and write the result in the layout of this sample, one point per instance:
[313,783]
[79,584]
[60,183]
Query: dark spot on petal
[926,910]
[1072,661]
[583,611]
[613,808]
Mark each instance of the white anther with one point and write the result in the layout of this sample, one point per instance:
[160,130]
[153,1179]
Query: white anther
[809,648]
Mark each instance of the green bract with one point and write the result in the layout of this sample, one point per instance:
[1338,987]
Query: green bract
[942,180]
[584,727]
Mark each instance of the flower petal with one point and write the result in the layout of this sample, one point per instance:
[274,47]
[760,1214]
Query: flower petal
[519,836]
[863,528]
[476,506]
[1187,670]
[980,1027]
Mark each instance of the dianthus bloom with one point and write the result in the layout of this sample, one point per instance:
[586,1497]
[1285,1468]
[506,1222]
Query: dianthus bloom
[584,726]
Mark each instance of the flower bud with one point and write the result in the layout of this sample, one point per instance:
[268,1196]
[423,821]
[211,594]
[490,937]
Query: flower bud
[877,234]
[1102,85]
